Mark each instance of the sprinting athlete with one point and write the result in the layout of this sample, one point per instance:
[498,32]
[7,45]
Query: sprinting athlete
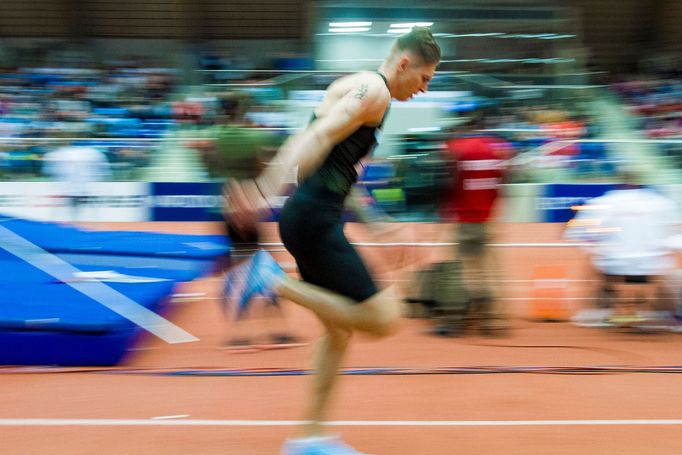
[336,284]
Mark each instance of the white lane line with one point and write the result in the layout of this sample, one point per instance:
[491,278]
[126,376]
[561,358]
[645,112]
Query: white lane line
[99,292]
[338,423]
[179,416]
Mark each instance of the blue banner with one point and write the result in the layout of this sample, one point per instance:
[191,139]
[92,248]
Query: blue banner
[554,205]
[179,201]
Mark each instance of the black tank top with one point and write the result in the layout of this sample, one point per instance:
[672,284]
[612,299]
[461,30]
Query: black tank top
[338,173]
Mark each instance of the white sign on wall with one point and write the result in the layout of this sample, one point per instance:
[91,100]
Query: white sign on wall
[103,201]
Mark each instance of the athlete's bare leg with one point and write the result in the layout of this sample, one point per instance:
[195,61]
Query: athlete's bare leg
[327,362]
[341,316]
[375,316]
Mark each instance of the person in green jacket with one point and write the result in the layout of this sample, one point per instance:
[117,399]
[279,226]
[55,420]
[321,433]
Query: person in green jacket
[235,150]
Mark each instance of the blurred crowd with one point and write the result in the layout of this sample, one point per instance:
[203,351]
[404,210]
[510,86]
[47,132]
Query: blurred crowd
[541,136]
[555,132]
[132,99]
[657,103]
[40,105]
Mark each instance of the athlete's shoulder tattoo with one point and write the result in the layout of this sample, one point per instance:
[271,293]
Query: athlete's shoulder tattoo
[362,92]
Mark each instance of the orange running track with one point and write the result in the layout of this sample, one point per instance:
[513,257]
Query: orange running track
[622,413]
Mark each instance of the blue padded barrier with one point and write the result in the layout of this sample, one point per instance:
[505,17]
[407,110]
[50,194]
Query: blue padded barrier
[63,238]
[64,348]
[44,321]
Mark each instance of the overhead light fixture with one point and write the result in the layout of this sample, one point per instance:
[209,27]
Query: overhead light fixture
[349,30]
[546,61]
[481,35]
[557,37]
[411,24]
[349,24]
[534,36]
[405,27]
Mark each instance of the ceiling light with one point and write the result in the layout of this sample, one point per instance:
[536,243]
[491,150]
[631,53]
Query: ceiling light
[412,24]
[350,24]
[349,30]
[558,37]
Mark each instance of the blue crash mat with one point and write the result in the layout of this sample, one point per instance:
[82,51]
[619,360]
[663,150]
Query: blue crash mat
[64,238]
[61,308]
[176,270]
[44,321]
[47,321]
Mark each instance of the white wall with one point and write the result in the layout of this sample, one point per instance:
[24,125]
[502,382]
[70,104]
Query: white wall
[351,52]
[357,52]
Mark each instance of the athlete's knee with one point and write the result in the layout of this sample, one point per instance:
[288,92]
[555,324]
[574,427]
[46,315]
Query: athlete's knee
[386,328]
[338,336]
[385,310]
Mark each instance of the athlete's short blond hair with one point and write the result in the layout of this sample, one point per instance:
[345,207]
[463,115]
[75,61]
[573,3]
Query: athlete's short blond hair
[420,42]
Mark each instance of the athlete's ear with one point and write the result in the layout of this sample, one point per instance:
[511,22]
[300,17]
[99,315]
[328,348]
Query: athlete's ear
[403,62]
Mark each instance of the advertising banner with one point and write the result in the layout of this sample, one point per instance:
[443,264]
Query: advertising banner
[99,201]
[184,201]
[554,205]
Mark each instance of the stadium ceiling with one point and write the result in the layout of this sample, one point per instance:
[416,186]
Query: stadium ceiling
[450,14]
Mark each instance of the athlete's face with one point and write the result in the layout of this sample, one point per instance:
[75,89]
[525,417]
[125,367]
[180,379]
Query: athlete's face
[413,77]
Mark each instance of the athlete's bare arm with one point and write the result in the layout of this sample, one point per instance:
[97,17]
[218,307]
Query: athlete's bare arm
[351,102]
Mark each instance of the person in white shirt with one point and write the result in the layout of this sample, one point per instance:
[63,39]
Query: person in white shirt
[629,231]
[76,168]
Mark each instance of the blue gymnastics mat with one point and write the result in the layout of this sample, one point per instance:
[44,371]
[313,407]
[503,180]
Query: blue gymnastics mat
[64,238]
[49,321]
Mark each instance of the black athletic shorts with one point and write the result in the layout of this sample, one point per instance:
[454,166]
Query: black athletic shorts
[311,228]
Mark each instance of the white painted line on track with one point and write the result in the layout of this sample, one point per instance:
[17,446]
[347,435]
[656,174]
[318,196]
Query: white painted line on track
[101,293]
[179,416]
[338,423]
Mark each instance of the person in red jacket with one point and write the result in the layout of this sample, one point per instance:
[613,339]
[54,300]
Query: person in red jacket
[479,165]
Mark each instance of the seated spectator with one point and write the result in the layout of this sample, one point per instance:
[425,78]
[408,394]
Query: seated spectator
[628,229]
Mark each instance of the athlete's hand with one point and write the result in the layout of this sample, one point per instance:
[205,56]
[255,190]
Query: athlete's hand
[245,205]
